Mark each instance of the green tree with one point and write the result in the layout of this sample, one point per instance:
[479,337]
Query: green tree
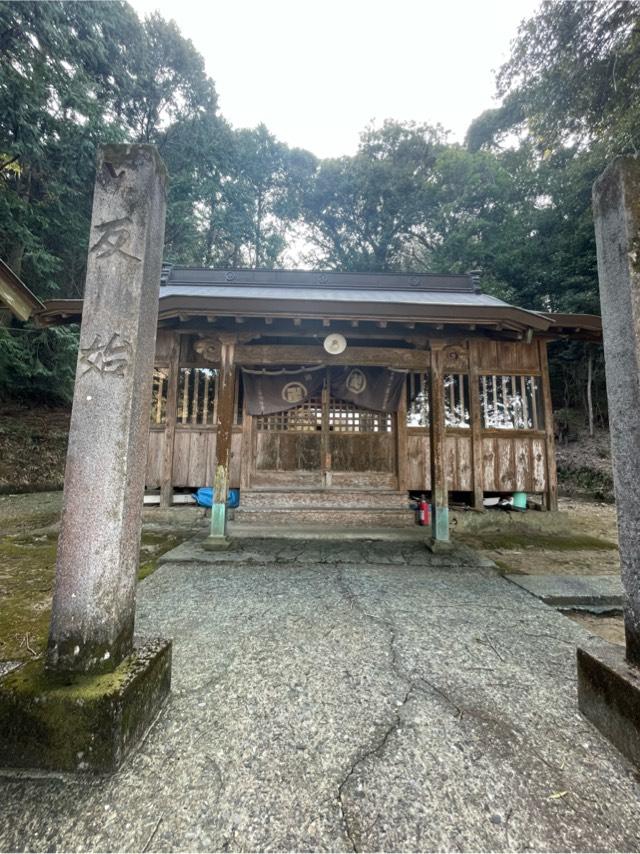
[362,211]
[572,77]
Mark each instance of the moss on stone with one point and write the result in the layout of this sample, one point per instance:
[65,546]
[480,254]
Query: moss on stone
[83,722]
[512,540]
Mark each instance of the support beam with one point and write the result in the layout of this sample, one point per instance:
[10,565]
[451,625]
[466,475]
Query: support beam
[550,443]
[475,413]
[226,402]
[439,493]
[171,417]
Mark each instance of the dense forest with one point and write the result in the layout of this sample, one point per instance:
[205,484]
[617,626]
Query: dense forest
[513,201]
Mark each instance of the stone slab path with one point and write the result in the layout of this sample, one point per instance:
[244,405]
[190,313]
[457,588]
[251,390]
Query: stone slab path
[589,592]
[354,696]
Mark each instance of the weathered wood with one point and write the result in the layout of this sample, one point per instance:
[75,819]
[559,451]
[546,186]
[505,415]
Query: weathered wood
[155,454]
[401,444]
[225,413]
[506,357]
[285,354]
[363,452]
[552,477]
[476,426]
[439,494]
[166,483]
[246,454]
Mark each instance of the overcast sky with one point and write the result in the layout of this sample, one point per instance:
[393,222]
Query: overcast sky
[317,73]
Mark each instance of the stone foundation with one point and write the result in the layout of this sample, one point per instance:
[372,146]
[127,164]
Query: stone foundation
[609,696]
[87,723]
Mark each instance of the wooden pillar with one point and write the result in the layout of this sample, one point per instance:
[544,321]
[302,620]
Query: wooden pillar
[401,443]
[171,415]
[439,493]
[246,460]
[476,425]
[552,474]
[225,410]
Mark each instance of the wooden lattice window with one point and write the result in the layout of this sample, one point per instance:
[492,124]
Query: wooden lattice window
[511,402]
[346,417]
[456,400]
[159,396]
[197,398]
[417,392]
[305,418]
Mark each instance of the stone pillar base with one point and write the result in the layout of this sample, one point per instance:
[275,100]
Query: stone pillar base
[87,724]
[609,696]
[216,543]
[438,546]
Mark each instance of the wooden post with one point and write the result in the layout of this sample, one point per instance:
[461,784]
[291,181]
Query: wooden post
[552,474]
[246,459]
[226,403]
[439,493]
[476,425]
[402,464]
[166,484]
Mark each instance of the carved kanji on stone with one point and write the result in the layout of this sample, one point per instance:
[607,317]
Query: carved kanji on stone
[110,358]
[115,235]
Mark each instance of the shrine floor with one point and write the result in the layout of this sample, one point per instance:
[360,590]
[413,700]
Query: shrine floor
[348,696]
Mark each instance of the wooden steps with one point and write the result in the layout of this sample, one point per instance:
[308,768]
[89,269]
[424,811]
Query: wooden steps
[338,508]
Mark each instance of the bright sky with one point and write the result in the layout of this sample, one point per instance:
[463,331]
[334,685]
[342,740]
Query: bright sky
[317,73]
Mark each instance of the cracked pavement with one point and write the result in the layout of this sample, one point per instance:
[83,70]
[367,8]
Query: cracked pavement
[350,697]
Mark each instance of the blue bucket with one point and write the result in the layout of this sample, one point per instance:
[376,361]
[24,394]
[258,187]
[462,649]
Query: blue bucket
[204,497]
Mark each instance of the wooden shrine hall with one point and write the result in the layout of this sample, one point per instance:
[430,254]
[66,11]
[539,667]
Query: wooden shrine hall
[329,397]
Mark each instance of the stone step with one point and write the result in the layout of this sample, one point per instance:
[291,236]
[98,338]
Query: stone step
[331,516]
[285,499]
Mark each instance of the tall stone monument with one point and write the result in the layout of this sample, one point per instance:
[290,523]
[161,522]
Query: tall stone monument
[609,677]
[98,690]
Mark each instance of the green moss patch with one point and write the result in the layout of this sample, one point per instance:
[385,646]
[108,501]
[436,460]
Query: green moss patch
[522,540]
[27,570]
[82,723]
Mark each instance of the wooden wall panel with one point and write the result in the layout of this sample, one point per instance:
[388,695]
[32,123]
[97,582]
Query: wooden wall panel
[155,453]
[363,452]
[198,455]
[194,457]
[164,340]
[418,465]
[514,464]
[181,450]
[458,463]
[539,465]
[506,356]
[488,464]
[287,451]
[235,467]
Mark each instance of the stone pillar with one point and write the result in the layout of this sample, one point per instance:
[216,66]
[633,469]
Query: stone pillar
[98,692]
[94,595]
[608,683]
[439,493]
[226,402]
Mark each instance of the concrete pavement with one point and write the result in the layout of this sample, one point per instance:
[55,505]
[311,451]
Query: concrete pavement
[349,696]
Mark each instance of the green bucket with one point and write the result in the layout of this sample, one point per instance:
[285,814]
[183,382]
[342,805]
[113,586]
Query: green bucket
[520,500]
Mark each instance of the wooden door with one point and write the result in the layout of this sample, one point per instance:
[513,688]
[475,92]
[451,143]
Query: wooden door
[361,447]
[325,443]
[287,447]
